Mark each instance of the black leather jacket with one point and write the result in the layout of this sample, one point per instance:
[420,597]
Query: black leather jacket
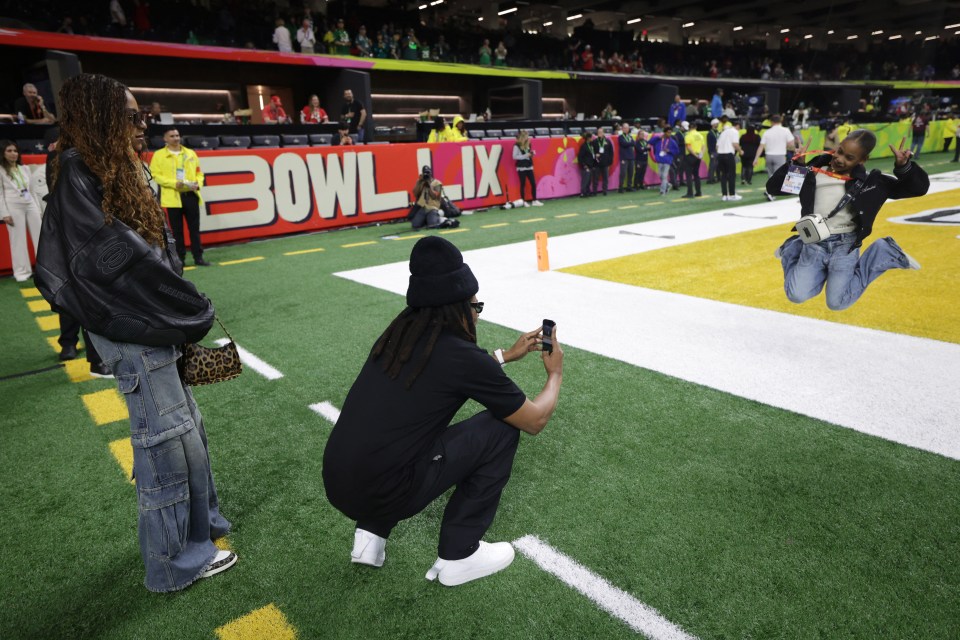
[106,275]
[908,181]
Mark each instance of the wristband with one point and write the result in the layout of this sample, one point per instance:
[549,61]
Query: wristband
[498,354]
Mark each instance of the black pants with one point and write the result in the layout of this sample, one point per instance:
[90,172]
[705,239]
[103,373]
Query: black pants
[189,211]
[746,169]
[524,177]
[946,143]
[956,152]
[640,173]
[588,180]
[676,169]
[691,168]
[475,456]
[70,334]
[727,168]
[626,174]
[602,174]
[713,170]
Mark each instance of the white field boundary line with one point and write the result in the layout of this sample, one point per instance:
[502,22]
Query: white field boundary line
[327,411]
[618,603]
[254,362]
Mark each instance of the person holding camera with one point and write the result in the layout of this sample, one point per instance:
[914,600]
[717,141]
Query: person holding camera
[394,450]
[587,159]
[342,138]
[839,202]
[430,203]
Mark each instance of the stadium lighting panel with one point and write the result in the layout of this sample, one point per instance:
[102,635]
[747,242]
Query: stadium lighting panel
[634,21]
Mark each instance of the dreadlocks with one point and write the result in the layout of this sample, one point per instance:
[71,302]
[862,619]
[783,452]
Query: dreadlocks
[94,121]
[398,341]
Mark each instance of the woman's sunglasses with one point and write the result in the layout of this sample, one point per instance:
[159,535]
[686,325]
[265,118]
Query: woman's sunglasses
[476,306]
[135,117]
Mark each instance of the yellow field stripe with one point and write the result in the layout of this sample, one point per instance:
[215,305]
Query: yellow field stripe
[54,344]
[241,261]
[266,622]
[410,237]
[39,306]
[917,303]
[628,206]
[223,544]
[78,369]
[122,452]
[30,292]
[494,226]
[449,231]
[105,406]
[599,211]
[303,251]
[48,323]
[653,204]
[567,215]
[190,268]
[358,244]
[531,220]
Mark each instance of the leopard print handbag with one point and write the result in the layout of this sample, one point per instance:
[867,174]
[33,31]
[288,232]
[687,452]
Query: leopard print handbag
[201,365]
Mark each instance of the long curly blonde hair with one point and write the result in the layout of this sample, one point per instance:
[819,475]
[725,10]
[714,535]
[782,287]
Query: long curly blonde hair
[94,121]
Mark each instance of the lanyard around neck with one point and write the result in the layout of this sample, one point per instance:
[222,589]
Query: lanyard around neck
[825,172]
[18,179]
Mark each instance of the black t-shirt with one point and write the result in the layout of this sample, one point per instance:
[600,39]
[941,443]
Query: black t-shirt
[351,113]
[370,465]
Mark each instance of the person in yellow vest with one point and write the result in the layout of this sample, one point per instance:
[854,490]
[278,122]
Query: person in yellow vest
[695,143]
[844,130]
[176,170]
[950,131]
[458,132]
[440,131]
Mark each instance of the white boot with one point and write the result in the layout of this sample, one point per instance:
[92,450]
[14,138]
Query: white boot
[368,549]
[485,561]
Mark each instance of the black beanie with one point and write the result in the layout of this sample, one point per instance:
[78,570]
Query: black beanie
[438,275]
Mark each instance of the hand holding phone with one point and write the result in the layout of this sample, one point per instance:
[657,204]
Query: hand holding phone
[548,326]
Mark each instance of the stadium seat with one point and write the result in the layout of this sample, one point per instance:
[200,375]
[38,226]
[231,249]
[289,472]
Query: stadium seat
[476,134]
[510,133]
[575,131]
[293,140]
[203,142]
[319,139]
[378,142]
[31,146]
[556,131]
[541,131]
[235,142]
[266,142]
[156,142]
[494,133]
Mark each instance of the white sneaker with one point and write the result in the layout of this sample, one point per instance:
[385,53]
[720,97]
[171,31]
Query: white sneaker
[735,197]
[537,203]
[368,549]
[725,198]
[768,196]
[518,202]
[221,562]
[526,204]
[485,561]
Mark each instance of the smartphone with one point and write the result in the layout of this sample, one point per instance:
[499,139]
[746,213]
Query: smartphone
[548,326]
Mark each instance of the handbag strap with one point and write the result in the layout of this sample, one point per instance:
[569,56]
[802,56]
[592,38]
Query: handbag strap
[217,318]
[844,201]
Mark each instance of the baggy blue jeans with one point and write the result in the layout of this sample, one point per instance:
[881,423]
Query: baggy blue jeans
[835,263]
[179,514]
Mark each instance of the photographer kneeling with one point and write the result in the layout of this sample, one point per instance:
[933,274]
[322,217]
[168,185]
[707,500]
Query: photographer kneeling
[432,209]
[393,450]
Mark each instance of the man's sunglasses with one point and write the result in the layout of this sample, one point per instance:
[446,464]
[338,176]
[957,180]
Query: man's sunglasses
[476,306]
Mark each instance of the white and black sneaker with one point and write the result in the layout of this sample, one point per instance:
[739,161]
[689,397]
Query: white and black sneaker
[768,196]
[100,371]
[221,562]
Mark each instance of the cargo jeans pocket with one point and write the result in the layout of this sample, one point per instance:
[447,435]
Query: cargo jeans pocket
[165,519]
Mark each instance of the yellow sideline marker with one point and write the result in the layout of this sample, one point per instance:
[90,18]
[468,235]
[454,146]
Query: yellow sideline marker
[494,226]
[449,231]
[39,306]
[599,211]
[568,215]
[105,406]
[122,451]
[52,341]
[628,206]
[48,323]
[303,251]
[78,370]
[528,220]
[266,622]
[190,268]
[653,204]
[241,261]
[358,244]
[413,237]
[30,292]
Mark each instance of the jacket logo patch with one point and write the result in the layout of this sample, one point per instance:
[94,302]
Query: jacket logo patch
[113,256]
[870,188]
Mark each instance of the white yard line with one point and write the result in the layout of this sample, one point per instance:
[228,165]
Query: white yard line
[893,386]
[326,410]
[254,362]
[618,603]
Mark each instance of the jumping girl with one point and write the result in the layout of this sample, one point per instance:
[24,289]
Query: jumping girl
[837,188]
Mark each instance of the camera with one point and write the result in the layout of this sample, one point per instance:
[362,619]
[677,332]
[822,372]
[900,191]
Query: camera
[426,172]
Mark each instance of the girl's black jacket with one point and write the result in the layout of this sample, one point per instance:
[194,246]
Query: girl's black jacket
[908,181]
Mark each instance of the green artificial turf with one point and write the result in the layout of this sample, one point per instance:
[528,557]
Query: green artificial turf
[732,518]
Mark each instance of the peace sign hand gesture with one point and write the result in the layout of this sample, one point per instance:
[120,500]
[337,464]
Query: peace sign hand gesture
[902,156]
